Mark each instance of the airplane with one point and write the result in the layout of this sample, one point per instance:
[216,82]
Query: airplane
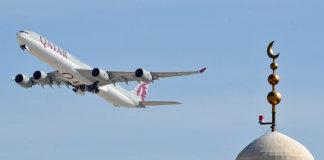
[70,71]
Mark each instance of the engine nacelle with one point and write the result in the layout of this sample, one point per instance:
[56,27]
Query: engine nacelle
[41,77]
[143,75]
[23,81]
[100,74]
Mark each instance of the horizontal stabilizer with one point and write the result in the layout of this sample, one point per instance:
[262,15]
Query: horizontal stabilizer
[157,103]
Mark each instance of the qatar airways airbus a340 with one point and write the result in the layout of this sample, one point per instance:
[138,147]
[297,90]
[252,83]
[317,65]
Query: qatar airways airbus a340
[72,72]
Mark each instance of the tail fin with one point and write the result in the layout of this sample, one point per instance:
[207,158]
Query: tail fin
[140,91]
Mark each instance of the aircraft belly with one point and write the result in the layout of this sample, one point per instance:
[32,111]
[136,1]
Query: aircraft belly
[115,97]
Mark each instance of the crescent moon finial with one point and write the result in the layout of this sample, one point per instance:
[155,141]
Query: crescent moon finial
[270,52]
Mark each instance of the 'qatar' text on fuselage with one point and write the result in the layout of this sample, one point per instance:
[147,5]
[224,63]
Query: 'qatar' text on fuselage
[52,46]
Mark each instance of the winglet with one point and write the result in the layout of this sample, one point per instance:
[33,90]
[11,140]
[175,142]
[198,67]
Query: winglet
[202,70]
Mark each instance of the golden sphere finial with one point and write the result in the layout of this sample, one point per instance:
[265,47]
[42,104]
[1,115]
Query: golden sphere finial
[274,97]
[274,66]
[273,79]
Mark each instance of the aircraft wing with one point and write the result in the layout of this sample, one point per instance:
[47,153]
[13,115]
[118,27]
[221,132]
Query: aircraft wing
[56,78]
[173,74]
[124,76]
[51,78]
[114,76]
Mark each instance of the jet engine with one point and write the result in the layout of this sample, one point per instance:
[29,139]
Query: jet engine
[41,77]
[23,81]
[100,74]
[143,75]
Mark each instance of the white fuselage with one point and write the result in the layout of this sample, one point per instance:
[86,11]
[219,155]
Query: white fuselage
[67,65]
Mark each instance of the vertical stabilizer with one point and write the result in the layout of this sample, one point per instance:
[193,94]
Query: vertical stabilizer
[140,91]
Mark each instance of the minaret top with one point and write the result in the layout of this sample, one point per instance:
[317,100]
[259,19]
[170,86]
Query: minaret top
[274,97]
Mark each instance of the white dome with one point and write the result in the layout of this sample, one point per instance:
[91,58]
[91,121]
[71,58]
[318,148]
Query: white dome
[275,146]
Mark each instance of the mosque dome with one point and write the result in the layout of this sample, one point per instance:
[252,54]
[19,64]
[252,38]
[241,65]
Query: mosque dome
[275,146]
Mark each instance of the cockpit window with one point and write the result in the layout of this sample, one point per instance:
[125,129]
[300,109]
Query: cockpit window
[23,32]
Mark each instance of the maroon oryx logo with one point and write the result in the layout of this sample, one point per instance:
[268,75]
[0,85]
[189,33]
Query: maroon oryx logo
[142,90]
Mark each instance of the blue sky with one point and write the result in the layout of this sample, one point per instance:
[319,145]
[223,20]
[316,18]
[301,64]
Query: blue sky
[220,109]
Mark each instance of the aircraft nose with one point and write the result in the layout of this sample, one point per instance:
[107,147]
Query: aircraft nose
[20,33]
[21,36]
